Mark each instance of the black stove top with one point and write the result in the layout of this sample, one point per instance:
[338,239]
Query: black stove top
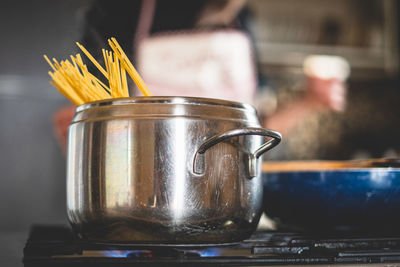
[57,246]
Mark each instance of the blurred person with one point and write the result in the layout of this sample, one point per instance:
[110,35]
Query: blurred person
[134,23]
[325,91]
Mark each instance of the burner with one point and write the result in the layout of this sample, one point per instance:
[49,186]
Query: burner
[57,246]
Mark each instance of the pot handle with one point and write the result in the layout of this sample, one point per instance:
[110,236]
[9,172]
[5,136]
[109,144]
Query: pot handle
[199,161]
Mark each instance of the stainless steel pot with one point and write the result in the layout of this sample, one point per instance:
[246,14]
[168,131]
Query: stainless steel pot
[165,170]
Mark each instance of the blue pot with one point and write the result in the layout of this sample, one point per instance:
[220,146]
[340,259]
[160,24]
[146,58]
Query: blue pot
[334,200]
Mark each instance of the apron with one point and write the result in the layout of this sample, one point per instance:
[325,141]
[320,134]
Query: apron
[197,63]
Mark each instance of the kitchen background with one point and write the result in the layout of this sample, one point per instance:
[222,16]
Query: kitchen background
[32,184]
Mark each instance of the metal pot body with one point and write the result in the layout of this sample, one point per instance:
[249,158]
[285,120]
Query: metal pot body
[165,170]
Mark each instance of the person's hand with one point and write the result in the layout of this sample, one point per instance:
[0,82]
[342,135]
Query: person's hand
[326,94]
[61,119]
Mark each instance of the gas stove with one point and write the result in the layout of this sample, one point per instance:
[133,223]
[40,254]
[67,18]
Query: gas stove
[57,246]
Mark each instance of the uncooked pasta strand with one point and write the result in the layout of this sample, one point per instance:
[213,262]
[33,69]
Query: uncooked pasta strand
[74,81]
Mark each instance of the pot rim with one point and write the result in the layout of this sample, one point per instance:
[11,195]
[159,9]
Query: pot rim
[173,100]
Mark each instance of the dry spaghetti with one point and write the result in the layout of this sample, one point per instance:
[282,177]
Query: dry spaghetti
[75,82]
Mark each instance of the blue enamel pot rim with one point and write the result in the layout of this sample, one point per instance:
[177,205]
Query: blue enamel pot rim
[377,169]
